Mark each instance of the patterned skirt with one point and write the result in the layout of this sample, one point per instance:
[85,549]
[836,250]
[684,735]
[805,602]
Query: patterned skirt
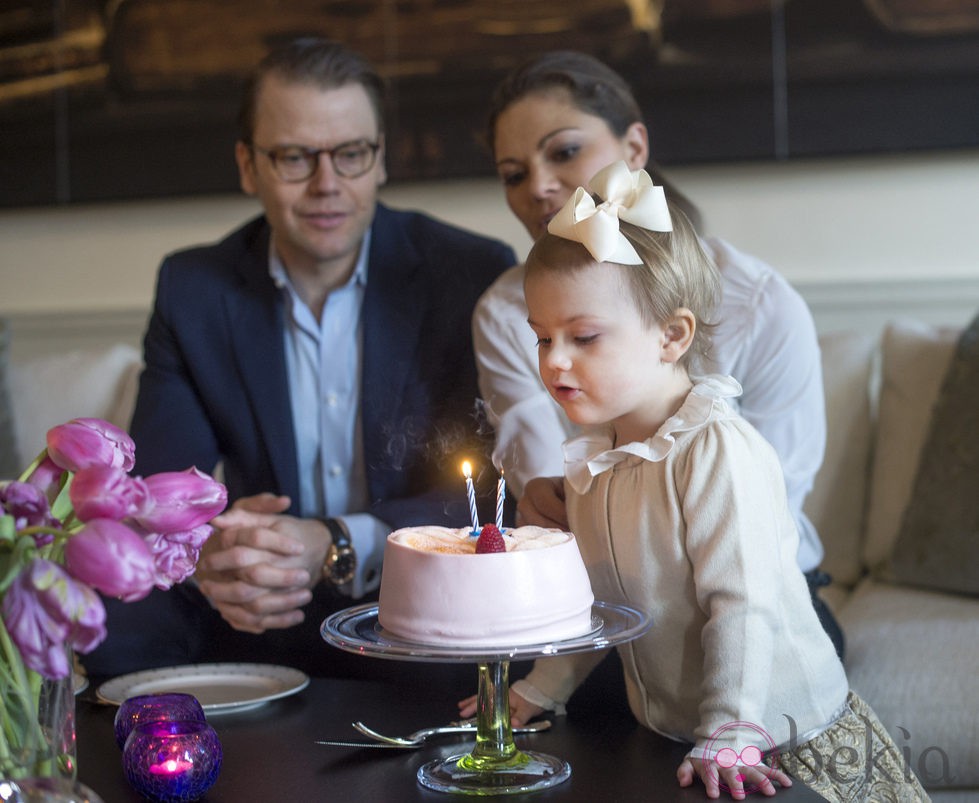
[854,761]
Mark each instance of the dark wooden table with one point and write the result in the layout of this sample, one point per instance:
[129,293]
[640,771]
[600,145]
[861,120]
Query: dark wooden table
[270,755]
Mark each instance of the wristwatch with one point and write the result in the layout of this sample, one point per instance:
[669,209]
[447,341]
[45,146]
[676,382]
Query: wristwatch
[340,564]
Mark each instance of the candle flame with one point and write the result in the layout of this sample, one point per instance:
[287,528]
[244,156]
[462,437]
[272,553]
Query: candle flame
[170,767]
[467,469]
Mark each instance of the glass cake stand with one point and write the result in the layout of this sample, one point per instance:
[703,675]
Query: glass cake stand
[494,766]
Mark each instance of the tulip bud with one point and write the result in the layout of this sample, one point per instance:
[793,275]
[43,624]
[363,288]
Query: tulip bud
[182,501]
[27,504]
[86,442]
[47,477]
[111,557]
[104,492]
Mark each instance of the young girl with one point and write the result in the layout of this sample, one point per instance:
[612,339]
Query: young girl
[680,509]
[555,120]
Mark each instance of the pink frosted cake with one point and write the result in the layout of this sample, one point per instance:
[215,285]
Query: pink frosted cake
[437,589]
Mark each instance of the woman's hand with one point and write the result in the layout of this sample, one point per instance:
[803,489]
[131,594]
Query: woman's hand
[542,503]
[734,779]
[521,711]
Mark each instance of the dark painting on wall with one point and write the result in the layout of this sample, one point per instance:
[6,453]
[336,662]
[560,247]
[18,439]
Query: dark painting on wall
[113,99]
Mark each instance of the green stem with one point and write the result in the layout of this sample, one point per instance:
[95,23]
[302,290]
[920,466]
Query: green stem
[33,466]
[21,688]
[10,657]
[43,529]
[61,507]
[56,549]
[26,746]
[24,549]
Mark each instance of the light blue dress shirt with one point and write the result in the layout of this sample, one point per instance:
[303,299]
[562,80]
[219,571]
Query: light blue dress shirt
[323,363]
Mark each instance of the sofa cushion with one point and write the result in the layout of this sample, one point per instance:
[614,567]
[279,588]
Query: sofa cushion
[938,542]
[912,654]
[836,503]
[914,360]
[49,390]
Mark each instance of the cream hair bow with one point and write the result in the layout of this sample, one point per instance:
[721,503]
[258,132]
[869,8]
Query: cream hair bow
[628,195]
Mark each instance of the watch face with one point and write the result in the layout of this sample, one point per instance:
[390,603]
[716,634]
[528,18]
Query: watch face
[344,565]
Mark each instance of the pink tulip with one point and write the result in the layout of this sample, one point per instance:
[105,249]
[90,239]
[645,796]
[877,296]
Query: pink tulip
[176,554]
[111,557]
[105,492]
[45,610]
[47,477]
[27,504]
[182,501]
[86,442]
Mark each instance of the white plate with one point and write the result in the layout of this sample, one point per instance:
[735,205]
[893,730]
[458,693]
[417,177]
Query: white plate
[78,682]
[220,688]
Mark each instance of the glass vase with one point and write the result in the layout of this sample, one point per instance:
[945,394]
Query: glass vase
[38,723]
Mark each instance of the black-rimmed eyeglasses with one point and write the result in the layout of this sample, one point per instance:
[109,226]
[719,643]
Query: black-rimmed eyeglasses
[295,163]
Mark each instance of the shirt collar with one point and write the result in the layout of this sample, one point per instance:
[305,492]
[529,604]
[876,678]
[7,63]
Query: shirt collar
[280,276]
[590,454]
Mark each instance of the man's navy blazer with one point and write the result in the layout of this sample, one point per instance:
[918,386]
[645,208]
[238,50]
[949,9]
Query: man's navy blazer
[215,386]
[215,389]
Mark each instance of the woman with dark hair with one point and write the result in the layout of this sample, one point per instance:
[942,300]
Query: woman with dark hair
[554,123]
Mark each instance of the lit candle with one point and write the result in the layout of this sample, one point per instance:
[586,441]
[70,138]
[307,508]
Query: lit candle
[173,761]
[171,767]
[500,497]
[471,495]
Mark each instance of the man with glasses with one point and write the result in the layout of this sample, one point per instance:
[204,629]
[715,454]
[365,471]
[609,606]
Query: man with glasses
[322,354]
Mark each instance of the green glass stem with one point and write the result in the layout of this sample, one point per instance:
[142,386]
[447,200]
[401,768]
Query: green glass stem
[494,748]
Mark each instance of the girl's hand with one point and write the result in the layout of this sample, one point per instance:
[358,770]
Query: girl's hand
[467,707]
[542,503]
[734,779]
[521,712]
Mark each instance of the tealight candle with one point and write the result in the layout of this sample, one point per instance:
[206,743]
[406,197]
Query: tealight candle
[155,708]
[171,767]
[471,495]
[172,762]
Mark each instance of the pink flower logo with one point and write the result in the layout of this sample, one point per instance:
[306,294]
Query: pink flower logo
[750,755]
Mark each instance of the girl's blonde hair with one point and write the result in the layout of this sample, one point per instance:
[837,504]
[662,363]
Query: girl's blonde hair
[675,272]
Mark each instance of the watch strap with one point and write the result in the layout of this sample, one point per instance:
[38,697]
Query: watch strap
[340,564]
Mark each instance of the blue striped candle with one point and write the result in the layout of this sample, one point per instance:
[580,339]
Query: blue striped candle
[500,497]
[471,495]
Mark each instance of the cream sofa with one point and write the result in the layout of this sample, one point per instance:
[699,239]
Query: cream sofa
[44,391]
[913,654]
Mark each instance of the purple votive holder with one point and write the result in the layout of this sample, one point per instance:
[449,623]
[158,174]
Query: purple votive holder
[155,708]
[173,761]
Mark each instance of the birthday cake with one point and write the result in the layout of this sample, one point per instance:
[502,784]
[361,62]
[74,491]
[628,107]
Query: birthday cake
[446,587]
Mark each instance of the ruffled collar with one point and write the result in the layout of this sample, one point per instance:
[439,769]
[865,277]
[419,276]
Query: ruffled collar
[592,453]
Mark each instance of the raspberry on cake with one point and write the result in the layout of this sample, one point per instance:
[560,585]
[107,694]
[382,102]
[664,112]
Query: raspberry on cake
[436,589]
[490,540]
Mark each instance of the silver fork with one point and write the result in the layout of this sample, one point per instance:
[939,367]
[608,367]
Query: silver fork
[417,739]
